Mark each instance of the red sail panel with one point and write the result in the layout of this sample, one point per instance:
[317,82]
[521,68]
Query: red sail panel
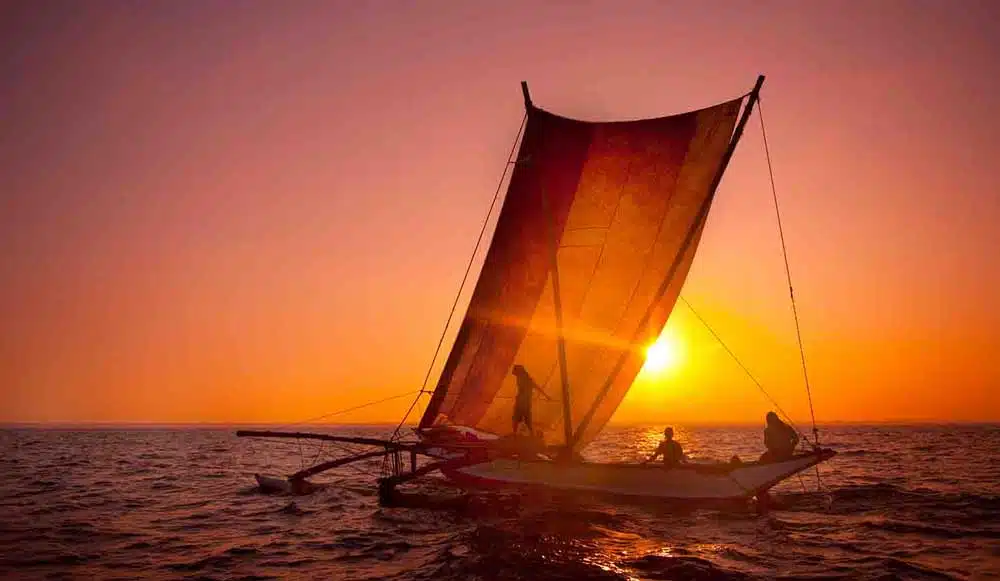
[620,198]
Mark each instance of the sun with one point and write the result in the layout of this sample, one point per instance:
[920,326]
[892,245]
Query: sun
[663,355]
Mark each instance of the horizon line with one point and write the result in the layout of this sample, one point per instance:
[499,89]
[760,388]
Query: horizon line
[127,424]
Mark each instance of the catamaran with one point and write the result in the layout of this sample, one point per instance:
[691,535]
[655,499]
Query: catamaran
[594,239]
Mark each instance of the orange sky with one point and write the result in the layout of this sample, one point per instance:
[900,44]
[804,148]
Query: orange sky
[262,213]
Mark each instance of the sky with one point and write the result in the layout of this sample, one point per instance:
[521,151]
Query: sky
[261,211]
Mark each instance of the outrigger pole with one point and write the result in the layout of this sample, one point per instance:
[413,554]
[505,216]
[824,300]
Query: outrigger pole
[386,485]
[391,444]
[669,278]
[386,447]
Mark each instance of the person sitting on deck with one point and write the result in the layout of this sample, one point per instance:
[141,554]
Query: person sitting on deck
[673,454]
[779,439]
[522,401]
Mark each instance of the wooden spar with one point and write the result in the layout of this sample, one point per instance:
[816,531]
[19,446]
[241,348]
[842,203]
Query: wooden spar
[387,444]
[386,447]
[688,240]
[567,409]
[561,338]
[312,471]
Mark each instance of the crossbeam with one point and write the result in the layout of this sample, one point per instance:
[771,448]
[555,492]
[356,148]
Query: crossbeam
[331,464]
[385,444]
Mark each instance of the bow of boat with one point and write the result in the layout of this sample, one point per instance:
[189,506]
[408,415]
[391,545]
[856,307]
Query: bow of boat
[723,481]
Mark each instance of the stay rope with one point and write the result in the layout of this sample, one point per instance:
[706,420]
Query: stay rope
[742,366]
[791,291]
[437,349]
[465,278]
[788,273]
[344,411]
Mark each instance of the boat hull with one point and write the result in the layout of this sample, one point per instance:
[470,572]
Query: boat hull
[688,482]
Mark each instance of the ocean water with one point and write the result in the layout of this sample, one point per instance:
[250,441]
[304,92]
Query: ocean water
[897,503]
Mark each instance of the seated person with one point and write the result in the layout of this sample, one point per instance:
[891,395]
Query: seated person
[779,439]
[673,454]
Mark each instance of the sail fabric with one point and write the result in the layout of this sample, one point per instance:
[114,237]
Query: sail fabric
[608,205]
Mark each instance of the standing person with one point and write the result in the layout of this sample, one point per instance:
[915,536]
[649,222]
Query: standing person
[522,401]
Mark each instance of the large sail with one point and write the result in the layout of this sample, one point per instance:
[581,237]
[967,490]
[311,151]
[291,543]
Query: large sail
[617,199]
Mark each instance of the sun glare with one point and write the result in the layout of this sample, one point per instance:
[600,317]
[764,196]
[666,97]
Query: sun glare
[662,355]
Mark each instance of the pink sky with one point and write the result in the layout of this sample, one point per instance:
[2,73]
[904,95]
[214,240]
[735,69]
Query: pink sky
[249,211]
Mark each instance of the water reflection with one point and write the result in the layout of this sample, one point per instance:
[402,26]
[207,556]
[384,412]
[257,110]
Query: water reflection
[174,504]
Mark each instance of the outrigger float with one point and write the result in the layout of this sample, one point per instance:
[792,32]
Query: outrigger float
[593,242]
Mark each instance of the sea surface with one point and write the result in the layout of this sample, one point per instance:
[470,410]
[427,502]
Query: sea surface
[898,502]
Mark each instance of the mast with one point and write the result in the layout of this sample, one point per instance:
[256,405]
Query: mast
[557,300]
[668,279]
[561,338]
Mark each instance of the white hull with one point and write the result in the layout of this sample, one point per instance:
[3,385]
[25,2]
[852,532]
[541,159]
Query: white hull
[282,485]
[689,482]
[273,484]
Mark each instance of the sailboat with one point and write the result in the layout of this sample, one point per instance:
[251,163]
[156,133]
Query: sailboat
[592,244]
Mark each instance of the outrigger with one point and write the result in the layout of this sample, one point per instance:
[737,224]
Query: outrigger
[592,244]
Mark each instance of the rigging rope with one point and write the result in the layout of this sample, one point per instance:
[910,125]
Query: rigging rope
[744,367]
[344,411]
[465,277]
[454,305]
[788,273]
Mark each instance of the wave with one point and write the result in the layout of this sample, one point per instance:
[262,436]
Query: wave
[684,567]
[858,453]
[920,528]
[895,568]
